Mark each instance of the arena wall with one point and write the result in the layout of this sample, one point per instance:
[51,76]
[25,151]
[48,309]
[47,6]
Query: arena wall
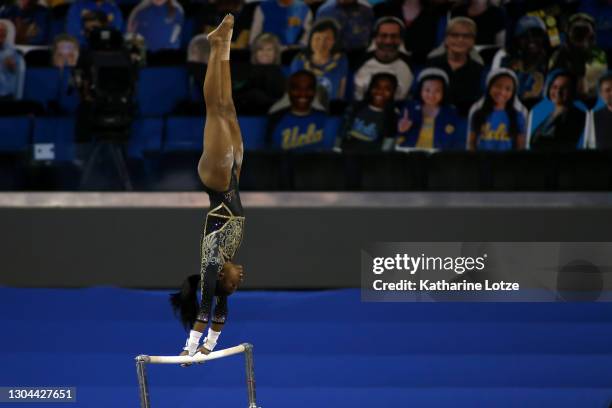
[292,240]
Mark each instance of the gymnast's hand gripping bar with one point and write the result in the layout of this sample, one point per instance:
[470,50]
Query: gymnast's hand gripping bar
[245,348]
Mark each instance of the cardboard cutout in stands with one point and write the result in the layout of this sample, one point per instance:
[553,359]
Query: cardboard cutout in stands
[540,115]
[600,118]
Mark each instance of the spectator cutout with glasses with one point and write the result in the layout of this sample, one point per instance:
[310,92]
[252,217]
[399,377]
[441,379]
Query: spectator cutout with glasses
[420,25]
[490,20]
[463,65]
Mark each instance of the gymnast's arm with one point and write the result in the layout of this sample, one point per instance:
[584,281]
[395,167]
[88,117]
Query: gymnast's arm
[210,269]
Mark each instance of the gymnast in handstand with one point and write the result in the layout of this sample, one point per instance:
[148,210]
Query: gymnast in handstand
[219,170]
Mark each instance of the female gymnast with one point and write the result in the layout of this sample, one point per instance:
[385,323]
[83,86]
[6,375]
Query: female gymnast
[219,170]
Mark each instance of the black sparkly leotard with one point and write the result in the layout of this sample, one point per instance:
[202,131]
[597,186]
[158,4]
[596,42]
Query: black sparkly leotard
[220,240]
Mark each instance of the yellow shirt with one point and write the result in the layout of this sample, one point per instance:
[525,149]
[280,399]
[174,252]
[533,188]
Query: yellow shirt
[426,134]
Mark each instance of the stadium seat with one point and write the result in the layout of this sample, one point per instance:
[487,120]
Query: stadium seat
[146,136]
[53,139]
[160,89]
[189,27]
[16,133]
[183,133]
[332,128]
[178,171]
[253,129]
[42,85]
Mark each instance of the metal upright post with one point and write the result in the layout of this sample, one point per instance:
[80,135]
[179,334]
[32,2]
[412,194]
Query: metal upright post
[141,362]
[250,374]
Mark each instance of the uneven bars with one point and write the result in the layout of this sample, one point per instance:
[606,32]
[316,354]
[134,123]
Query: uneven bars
[246,348]
[186,359]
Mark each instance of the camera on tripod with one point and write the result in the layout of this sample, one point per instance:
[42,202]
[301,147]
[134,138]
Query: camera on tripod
[112,77]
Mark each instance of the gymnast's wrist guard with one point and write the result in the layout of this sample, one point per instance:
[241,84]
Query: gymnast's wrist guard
[210,341]
[210,345]
[193,342]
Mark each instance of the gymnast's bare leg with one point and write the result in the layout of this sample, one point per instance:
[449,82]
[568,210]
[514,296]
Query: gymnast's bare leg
[222,137]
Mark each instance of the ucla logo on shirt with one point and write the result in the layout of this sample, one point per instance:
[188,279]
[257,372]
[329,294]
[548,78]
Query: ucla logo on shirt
[499,134]
[292,138]
[449,129]
[294,21]
[364,131]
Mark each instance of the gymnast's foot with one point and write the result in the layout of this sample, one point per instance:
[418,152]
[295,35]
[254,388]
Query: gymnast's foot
[223,34]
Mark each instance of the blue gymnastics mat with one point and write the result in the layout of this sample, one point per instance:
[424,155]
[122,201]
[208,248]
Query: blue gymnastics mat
[312,349]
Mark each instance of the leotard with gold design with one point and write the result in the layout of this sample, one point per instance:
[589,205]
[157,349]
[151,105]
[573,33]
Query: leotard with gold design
[220,240]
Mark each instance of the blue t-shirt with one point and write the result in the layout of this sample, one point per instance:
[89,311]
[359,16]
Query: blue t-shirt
[74,25]
[494,134]
[329,76]
[36,17]
[159,29]
[300,133]
[287,23]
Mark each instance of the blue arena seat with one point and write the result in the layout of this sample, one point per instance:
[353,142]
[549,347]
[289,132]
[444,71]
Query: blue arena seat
[53,139]
[186,132]
[160,89]
[147,135]
[178,171]
[183,133]
[332,128]
[188,32]
[253,130]
[15,133]
[42,85]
